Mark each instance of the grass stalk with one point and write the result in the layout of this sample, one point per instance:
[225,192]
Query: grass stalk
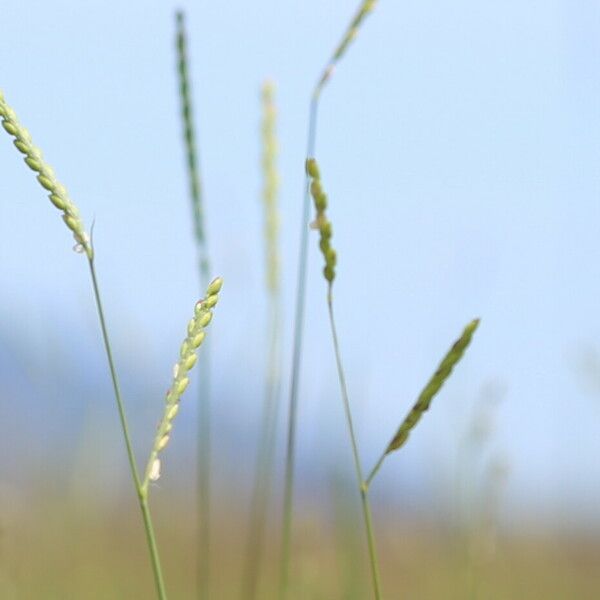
[203,476]
[290,456]
[142,496]
[363,486]
[270,409]
[364,9]
[323,225]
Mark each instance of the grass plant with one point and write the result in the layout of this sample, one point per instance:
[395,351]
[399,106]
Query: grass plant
[324,227]
[364,9]
[203,314]
[270,409]
[203,476]
[59,197]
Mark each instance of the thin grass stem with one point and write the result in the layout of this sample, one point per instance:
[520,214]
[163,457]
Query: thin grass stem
[270,410]
[296,359]
[142,497]
[265,461]
[363,486]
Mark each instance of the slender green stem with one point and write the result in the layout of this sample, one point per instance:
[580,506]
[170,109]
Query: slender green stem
[203,426]
[151,539]
[296,355]
[362,484]
[264,465]
[366,506]
[375,469]
[152,547]
[203,478]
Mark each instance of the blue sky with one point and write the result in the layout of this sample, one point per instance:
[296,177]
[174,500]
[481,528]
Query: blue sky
[459,143]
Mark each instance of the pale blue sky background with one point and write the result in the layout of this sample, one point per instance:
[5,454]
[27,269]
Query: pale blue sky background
[460,145]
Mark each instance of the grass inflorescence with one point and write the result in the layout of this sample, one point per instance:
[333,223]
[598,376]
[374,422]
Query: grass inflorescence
[324,227]
[45,175]
[187,359]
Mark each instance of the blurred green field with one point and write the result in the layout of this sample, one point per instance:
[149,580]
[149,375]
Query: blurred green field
[55,548]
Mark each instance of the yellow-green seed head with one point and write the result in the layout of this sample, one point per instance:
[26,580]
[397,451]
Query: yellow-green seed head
[187,360]
[46,177]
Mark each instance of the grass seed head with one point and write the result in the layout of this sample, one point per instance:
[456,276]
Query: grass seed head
[187,359]
[321,223]
[433,386]
[46,178]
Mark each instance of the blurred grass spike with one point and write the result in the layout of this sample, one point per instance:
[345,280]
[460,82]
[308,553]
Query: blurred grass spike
[35,161]
[187,359]
[433,386]
[270,185]
[189,135]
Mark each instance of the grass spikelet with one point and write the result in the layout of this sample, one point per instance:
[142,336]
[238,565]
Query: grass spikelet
[45,175]
[187,359]
[433,387]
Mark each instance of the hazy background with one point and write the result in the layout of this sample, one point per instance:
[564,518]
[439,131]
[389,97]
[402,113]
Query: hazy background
[459,143]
